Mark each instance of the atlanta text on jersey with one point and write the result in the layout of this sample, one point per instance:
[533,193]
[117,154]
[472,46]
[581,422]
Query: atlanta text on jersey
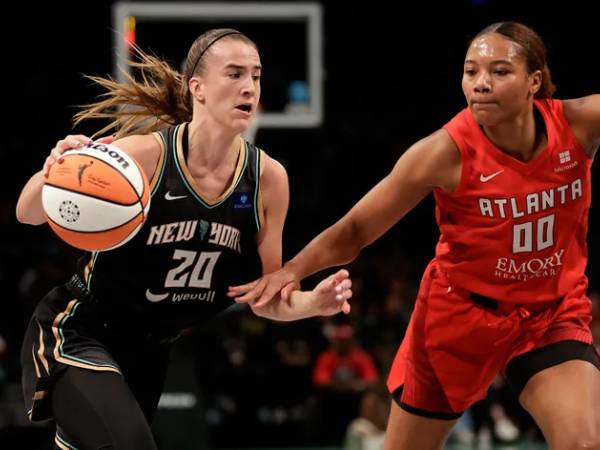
[515,207]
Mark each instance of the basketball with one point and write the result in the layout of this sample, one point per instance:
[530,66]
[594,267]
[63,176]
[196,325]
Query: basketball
[96,199]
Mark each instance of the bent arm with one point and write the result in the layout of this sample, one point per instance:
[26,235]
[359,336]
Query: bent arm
[275,200]
[29,206]
[144,148]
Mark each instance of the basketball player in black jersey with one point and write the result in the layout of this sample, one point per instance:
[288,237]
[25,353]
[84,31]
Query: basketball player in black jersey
[95,354]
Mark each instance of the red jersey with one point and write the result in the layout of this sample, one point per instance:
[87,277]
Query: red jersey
[512,230]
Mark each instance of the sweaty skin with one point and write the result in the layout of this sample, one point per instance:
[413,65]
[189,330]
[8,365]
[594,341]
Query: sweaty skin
[484,50]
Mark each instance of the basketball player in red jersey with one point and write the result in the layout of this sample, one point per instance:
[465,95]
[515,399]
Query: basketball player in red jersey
[506,291]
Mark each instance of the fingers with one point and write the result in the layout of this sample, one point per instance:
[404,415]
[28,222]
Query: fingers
[105,140]
[68,143]
[343,290]
[287,290]
[346,308]
[71,141]
[341,275]
[345,284]
[234,291]
[267,296]
[341,287]
[46,169]
[343,294]
[251,295]
[340,278]
[262,291]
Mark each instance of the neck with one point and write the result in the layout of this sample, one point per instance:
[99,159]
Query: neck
[519,138]
[210,145]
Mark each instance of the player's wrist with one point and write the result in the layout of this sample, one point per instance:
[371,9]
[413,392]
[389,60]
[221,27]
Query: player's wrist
[293,272]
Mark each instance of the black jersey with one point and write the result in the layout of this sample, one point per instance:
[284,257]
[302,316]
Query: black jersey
[176,270]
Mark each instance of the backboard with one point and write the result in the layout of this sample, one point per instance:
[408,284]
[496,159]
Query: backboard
[289,37]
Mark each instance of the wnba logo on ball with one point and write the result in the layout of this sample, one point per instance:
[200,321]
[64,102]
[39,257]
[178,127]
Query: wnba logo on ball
[81,169]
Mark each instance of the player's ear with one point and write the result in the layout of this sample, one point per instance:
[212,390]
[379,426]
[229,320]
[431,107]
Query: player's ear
[535,82]
[196,87]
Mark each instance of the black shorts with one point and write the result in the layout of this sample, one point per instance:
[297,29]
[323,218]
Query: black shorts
[65,331]
[521,368]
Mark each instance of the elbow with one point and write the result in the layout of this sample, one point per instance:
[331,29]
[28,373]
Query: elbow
[28,219]
[353,241]
[20,213]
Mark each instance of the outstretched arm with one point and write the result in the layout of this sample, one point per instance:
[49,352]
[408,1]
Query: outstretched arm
[430,163]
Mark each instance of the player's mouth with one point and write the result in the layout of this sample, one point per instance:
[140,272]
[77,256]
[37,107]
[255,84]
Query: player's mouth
[245,108]
[482,104]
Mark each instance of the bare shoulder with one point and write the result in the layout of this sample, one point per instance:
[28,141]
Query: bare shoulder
[583,115]
[578,111]
[274,188]
[434,161]
[138,144]
[146,150]
[272,171]
[581,105]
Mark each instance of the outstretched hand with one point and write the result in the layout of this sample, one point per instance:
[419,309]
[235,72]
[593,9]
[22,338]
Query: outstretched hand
[330,296]
[260,292]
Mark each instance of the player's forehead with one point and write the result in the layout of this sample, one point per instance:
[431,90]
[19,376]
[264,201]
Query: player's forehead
[493,47]
[235,52]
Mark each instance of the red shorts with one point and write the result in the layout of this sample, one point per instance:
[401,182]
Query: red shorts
[454,348]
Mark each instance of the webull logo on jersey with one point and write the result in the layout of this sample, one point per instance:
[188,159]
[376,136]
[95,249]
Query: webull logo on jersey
[208,296]
[219,234]
[510,269]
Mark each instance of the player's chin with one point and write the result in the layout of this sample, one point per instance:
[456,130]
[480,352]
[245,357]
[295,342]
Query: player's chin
[487,118]
[240,125]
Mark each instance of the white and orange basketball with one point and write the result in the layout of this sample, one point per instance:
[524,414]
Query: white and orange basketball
[97,199]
